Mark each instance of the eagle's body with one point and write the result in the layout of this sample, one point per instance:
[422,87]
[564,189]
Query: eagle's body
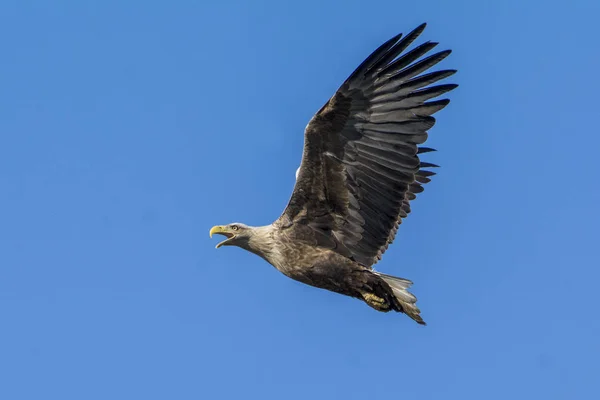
[360,169]
[319,266]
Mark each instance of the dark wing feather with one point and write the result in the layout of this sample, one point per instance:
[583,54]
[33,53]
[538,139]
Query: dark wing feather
[360,165]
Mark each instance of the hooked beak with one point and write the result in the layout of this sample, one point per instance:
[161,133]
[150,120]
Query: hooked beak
[221,230]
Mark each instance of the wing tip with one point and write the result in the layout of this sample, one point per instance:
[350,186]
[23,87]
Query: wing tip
[420,28]
[423,164]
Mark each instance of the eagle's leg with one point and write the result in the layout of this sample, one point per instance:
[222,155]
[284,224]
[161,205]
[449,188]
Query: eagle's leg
[378,303]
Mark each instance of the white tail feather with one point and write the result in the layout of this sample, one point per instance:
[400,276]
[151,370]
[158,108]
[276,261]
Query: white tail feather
[406,299]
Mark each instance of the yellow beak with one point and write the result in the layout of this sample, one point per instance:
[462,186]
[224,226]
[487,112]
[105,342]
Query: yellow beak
[215,229]
[222,230]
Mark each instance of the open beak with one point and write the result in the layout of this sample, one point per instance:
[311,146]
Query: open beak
[221,230]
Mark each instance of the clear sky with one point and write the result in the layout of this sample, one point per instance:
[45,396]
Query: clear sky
[129,128]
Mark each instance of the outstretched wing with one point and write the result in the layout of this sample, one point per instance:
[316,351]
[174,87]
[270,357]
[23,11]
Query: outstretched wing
[360,165]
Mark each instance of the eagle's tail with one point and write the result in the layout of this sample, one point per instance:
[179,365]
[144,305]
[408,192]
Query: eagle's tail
[406,300]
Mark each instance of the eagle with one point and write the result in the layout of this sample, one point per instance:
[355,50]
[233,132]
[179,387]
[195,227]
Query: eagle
[360,170]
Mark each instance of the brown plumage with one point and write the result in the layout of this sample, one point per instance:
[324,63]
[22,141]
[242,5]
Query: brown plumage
[360,169]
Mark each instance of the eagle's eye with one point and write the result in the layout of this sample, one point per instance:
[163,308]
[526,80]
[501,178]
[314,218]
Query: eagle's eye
[235,227]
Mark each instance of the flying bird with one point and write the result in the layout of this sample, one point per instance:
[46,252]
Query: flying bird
[360,170]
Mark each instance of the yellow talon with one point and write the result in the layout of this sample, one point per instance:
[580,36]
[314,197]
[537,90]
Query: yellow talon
[376,302]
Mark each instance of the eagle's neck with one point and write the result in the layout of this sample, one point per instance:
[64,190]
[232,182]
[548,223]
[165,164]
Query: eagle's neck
[262,242]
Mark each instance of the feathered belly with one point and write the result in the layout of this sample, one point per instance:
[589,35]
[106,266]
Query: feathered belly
[318,267]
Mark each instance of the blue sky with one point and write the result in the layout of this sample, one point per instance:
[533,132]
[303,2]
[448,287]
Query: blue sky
[128,129]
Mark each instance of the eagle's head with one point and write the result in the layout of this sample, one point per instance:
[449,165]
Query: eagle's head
[236,234]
